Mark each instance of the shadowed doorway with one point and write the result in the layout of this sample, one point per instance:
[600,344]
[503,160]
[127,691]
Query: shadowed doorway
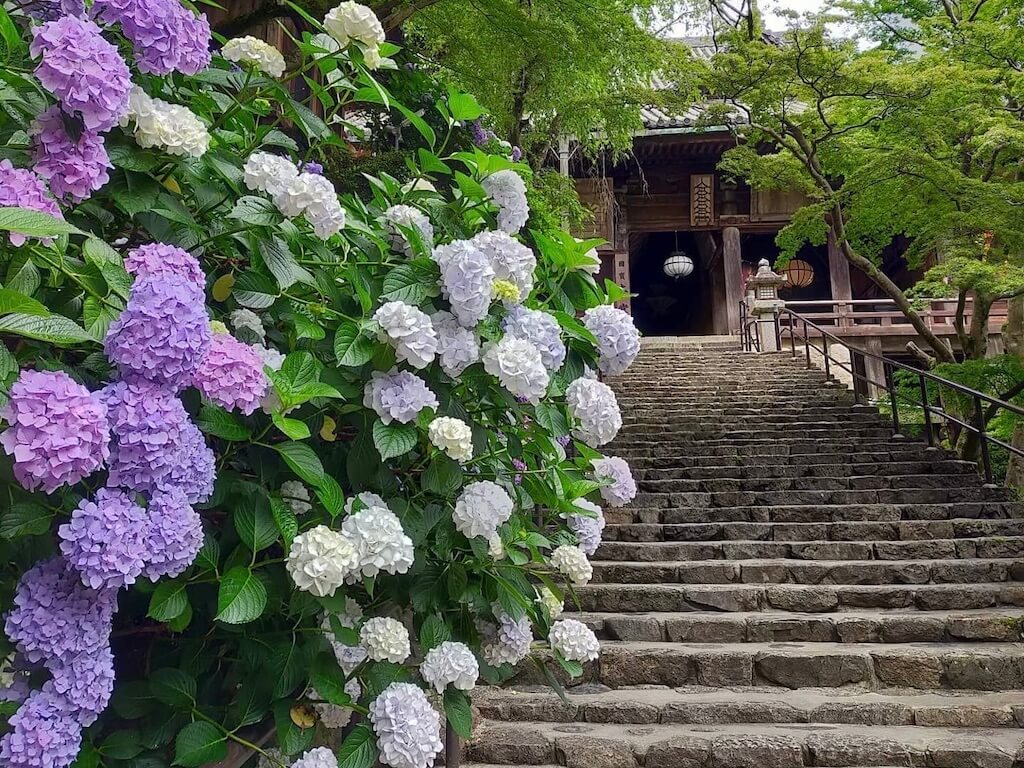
[666,306]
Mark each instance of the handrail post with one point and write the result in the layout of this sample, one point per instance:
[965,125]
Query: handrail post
[890,385]
[452,748]
[778,331]
[979,421]
[824,353]
[927,410]
[792,336]
[807,343]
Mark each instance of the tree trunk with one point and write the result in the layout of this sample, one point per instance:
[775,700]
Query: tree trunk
[1013,342]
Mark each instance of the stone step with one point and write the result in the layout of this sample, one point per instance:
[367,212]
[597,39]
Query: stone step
[852,531]
[821,513]
[822,572]
[759,431]
[782,455]
[809,483]
[610,745]
[863,626]
[796,469]
[678,424]
[927,666]
[766,446]
[701,705]
[707,499]
[689,410]
[642,598]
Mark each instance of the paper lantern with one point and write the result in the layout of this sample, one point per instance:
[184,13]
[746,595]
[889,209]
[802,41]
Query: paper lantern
[799,273]
[677,265]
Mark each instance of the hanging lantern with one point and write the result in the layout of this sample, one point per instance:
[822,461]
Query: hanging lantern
[677,265]
[799,273]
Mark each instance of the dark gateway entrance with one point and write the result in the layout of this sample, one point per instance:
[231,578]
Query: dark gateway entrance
[665,306]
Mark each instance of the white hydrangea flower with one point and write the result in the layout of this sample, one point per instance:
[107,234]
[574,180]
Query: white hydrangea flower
[399,217]
[249,323]
[450,663]
[380,541]
[481,508]
[418,185]
[397,395]
[368,498]
[508,641]
[496,547]
[312,196]
[264,172]
[349,657]
[540,329]
[622,489]
[408,729]
[518,365]
[588,529]
[296,496]
[332,715]
[251,50]
[574,640]
[171,127]
[372,58]
[271,358]
[320,559]
[572,563]
[457,347]
[350,21]
[318,757]
[550,602]
[409,331]
[467,280]
[618,340]
[593,405]
[349,617]
[508,191]
[385,639]
[510,259]
[453,436]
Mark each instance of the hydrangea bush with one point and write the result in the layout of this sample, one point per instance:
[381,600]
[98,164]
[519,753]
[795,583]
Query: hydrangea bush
[276,459]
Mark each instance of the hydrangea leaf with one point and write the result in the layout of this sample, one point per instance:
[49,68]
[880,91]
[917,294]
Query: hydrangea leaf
[173,687]
[54,329]
[15,301]
[433,632]
[413,282]
[458,711]
[214,420]
[34,223]
[198,743]
[393,439]
[168,601]
[25,519]
[351,347]
[359,749]
[329,681]
[241,598]
[255,210]
[303,461]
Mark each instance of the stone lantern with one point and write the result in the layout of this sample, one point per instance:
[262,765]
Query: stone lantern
[764,303]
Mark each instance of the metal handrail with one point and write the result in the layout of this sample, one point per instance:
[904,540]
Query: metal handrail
[975,423]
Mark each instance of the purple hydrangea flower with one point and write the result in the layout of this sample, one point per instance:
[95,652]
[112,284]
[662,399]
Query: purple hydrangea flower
[84,71]
[55,616]
[478,132]
[165,35]
[162,334]
[231,374]
[563,440]
[51,10]
[517,479]
[106,539]
[17,691]
[86,682]
[622,488]
[196,472]
[175,535]
[148,426]
[20,188]
[312,167]
[74,168]
[163,259]
[540,329]
[58,431]
[397,395]
[42,735]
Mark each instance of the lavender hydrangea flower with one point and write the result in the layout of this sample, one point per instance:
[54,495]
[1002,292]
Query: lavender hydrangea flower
[397,396]
[84,71]
[20,188]
[618,340]
[408,729]
[75,168]
[478,132]
[457,347]
[105,541]
[507,190]
[86,682]
[165,35]
[540,329]
[163,259]
[467,280]
[55,616]
[148,425]
[175,535]
[51,10]
[622,488]
[588,528]
[196,472]
[231,374]
[162,334]
[510,259]
[41,735]
[508,642]
[312,167]
[58,431]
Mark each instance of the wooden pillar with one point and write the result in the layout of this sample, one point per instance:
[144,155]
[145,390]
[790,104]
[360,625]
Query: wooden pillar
[838,271]
[710,252]
[732,264]
[874,371]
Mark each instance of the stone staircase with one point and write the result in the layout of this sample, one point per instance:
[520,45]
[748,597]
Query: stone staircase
[791,587]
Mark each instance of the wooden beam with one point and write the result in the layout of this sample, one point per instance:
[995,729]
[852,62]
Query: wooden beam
[732,259]
[838,271]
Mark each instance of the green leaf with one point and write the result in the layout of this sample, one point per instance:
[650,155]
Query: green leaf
[132,700]
[97,316]
[285,520]
[254,522]
[242,597]
[198,743]
[25,519]
[8,363]
[173,687]
[109,263]
[433,632]
[121,745]
[443,476]
[209,555]
[359,749]
[393,439]
[458,580]
[23,275]
[293,428]
[303,461]
[413,282]
[572,668]
[255,291]
[351,347]
[431,163]
[552,419]
[290,738]
[329,681]
[214,420]
[168,601]
[282,264]
[458,711]
[34,223]
[331,496]
[15,301]
[463,106]
[256,210]
[54,329]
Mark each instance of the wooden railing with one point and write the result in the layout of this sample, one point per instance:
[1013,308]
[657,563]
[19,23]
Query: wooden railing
[881,317]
